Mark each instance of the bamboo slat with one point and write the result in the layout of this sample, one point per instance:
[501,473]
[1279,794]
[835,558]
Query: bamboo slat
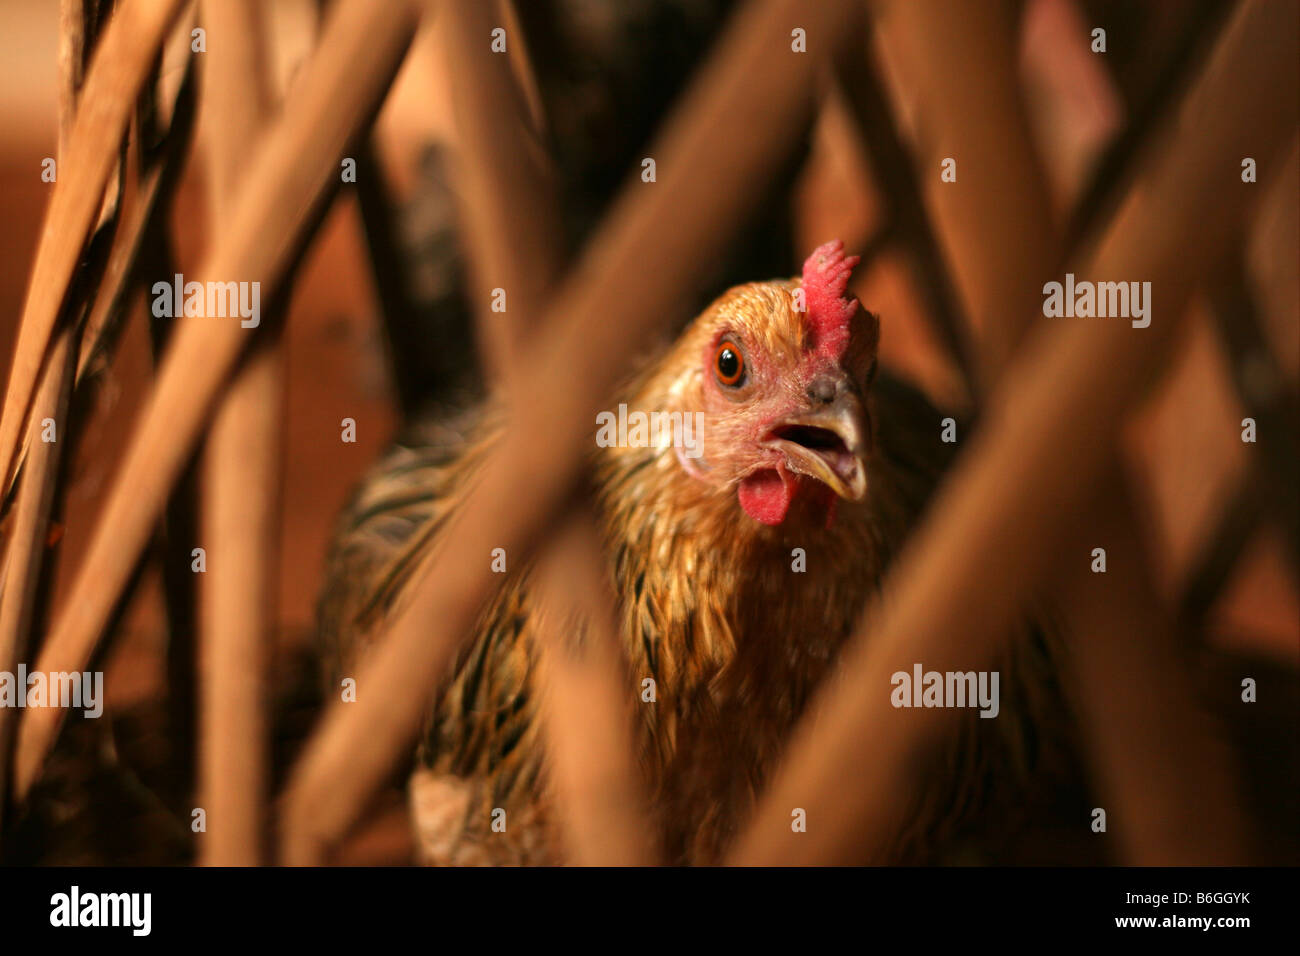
[725,141]
[1161,768]
[242,469]
[510,214]
[334,98]
[35,498]
[994,219]
[116,75]
[1046,440]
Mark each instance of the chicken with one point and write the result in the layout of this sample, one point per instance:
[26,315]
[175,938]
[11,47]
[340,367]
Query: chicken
[740,566]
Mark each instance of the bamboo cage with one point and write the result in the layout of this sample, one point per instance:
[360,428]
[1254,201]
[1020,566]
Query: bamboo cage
[1077,433]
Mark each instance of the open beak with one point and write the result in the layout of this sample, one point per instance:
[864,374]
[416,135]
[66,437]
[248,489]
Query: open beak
[828,443]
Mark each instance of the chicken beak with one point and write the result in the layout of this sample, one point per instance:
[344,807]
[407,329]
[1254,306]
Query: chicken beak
[828,443]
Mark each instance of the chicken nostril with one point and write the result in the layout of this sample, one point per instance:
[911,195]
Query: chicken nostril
[822,389]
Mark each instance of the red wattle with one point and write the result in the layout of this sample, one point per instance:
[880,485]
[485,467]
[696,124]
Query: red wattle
[766,495]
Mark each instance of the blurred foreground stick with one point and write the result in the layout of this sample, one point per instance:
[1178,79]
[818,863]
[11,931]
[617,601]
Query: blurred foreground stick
[994,221]
[719,149]
[510,215]
[1046,439]
[241,466]
[295,165]
[1162,768]
[34,501]
[122,61]
[999,237]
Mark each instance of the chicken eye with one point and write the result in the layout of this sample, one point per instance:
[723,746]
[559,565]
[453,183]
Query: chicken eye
[729,365]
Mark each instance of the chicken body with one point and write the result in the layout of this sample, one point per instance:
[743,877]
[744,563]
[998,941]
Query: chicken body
[739,566]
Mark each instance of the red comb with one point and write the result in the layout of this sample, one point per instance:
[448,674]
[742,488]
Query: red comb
[825,277]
